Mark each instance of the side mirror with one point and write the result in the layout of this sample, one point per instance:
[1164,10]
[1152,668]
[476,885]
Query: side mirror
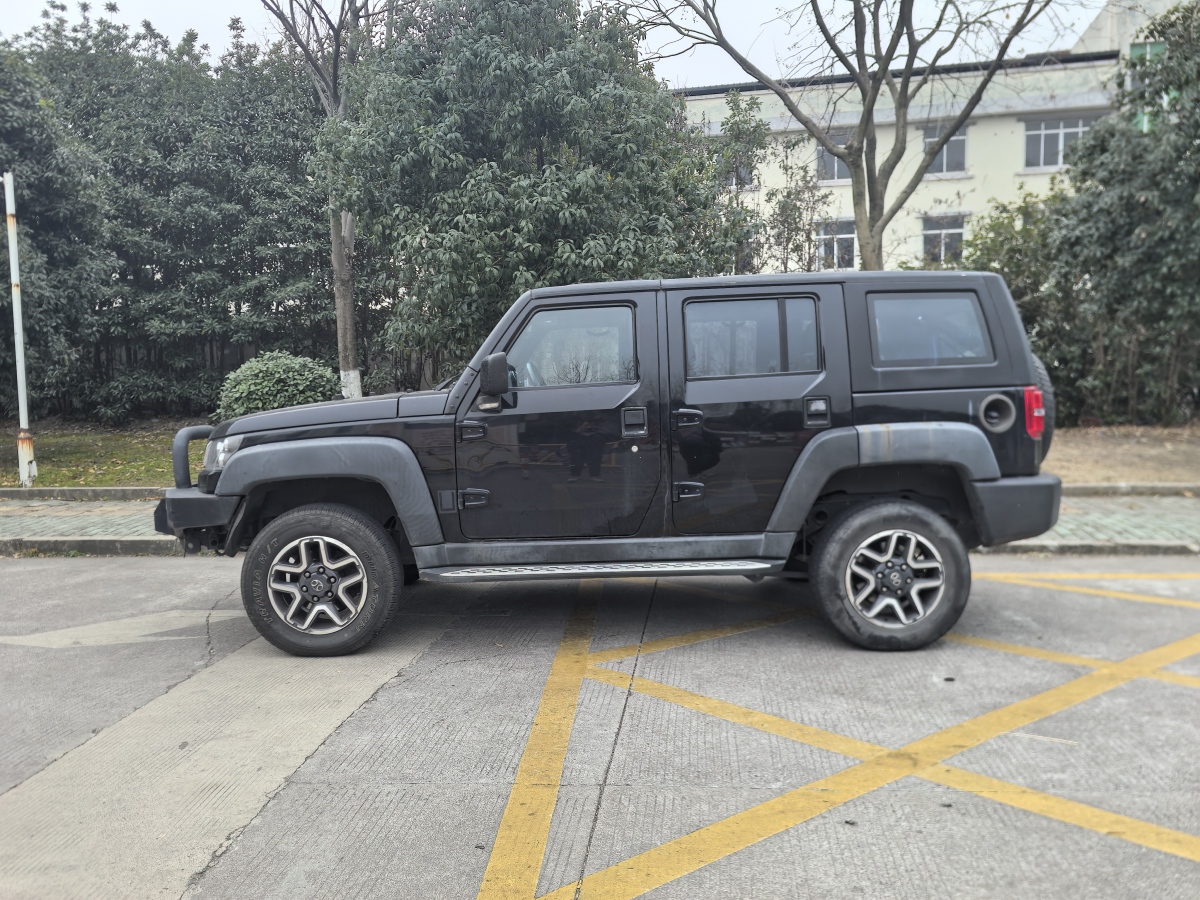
[493,375]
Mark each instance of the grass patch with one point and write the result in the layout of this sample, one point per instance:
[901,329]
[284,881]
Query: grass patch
[73,454]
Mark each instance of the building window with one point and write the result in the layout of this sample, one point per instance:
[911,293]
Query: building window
[952,157]
[1046,142]
[836,245]
[943,240]
[829,167]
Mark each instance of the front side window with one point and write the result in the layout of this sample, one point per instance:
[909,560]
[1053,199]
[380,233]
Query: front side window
[726,338]
[928,330]
[1046,141]
[953,155]
[943,240]
[836,243]
[584,345]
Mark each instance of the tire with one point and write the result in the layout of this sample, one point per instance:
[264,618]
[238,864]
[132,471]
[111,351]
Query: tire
[884,539]
[1047,388]
[289,563]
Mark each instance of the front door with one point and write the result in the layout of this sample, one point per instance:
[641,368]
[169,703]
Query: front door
[575,450]
[755,373]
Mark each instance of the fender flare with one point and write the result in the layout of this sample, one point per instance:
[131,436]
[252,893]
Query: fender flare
[388,462]
[956,444]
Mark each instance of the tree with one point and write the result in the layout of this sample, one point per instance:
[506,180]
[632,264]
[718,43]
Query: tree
[890,51]
[1130,235]
[60,229]
[500,145]
[330,44]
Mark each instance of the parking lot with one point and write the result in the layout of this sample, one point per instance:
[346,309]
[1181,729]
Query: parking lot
[679,738]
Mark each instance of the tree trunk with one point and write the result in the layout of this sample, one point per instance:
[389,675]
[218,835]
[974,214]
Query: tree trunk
[341,229]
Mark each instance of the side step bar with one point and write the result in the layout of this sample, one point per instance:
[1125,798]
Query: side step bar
[606,570]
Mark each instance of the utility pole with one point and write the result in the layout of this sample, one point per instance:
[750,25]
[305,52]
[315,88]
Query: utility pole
[26,464]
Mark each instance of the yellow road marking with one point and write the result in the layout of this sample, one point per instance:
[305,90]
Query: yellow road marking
[1098,592]
[1099,820]
[1084,576]
[674,859]
[731,712]
[516,859]
[1034,652]
[1069,811]
[692,637]
[1176,678]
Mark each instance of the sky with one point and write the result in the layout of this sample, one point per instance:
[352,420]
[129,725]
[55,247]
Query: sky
[753,25]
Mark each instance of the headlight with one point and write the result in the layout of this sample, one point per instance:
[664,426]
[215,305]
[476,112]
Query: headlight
[217,453]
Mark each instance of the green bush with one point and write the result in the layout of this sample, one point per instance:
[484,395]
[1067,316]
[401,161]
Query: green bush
[274,380]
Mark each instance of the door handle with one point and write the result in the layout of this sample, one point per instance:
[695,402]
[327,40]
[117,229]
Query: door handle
[472,498]
[472,431]
[634,422]
[687,490]
[686,418]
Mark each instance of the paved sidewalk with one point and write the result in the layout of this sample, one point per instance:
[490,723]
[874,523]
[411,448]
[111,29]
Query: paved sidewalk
[1126,524]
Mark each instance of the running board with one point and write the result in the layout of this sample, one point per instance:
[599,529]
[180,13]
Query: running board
[605,570]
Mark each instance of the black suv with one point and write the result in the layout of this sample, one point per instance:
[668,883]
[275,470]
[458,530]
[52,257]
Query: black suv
[859,431]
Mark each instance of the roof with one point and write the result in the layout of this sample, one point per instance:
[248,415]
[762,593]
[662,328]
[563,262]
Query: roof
[1033,60]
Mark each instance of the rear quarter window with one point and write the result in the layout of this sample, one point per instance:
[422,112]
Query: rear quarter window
[928,329]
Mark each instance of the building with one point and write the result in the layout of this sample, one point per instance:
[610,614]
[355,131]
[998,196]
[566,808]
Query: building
[1014,141]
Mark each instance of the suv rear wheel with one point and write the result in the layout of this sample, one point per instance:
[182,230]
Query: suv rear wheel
[892,575]
[321,580]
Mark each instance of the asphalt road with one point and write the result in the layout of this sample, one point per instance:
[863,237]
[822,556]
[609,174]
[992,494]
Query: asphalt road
[673,738]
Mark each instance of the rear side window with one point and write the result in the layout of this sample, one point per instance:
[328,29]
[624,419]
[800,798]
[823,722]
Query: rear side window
[928,330]
[727,338]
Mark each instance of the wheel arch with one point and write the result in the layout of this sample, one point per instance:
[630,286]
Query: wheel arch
[934,463]
[381,476]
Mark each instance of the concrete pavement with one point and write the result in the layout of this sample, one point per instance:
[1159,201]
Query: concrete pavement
[670,738]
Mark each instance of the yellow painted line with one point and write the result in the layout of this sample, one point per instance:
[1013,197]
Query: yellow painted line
[1100,592]
[1068,659]
[1033,652]
[516,859]
[1069,811]
[740,715]
[674,859]
[1084,576]
[692,637]
[1080,814]
[1177,678]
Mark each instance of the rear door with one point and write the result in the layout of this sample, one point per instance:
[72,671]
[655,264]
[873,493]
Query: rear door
[754,374]
[575,450]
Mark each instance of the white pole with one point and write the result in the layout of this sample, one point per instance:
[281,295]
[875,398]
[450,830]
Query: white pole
[26,465]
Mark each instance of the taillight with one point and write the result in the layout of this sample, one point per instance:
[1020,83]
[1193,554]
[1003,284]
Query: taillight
[1035,413]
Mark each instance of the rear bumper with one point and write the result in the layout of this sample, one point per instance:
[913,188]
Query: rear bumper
[1010,509]
[185,509]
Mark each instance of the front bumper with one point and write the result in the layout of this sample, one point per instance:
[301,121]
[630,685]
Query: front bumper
[196,518]
[1010,509]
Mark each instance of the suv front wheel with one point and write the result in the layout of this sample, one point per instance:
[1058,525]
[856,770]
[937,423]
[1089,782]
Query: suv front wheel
[892,575]
[321,580]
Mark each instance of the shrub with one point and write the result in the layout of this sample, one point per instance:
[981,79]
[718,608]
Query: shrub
[273,380]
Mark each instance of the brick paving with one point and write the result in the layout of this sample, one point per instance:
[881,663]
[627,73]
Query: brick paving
[72,518]
[1126,519]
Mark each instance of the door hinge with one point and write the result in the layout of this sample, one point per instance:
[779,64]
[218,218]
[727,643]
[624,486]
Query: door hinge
[472,498]
[472,431]
[687,490]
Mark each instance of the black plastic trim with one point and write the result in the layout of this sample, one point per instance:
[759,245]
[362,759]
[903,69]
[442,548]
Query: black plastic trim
[1014,508]
[965,447]
[500,553]
[180,466]
[189,507]
[826,454]
[389,462]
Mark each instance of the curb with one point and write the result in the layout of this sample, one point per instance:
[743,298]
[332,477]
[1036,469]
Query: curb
[1138,488]
[83,493]
[93,546]
[1096,548]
